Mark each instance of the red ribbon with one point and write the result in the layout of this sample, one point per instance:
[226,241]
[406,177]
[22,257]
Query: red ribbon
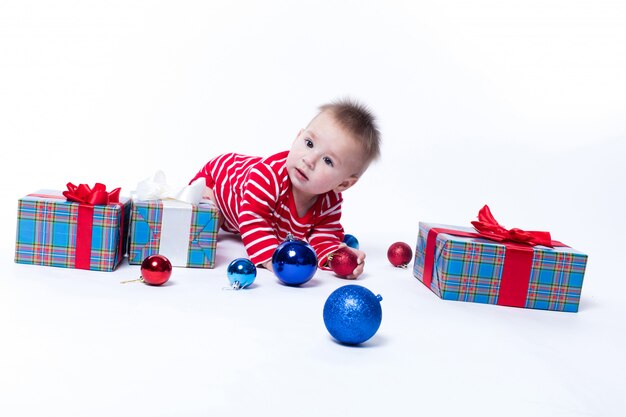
[517,259]
[88,198]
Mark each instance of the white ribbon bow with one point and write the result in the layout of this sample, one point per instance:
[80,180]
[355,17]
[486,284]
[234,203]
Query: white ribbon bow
[156,188]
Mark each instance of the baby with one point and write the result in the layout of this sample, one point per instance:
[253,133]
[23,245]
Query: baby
[296,192]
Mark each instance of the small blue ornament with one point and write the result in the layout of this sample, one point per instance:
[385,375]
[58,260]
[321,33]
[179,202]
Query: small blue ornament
[352,314]
[294,262]
[351,241]
[241,273]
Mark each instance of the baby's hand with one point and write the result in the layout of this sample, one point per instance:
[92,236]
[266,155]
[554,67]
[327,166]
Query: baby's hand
[268,265]
[360,259]
[208,193]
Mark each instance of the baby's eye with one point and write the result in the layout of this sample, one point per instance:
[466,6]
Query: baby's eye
[328,161]
[309,143]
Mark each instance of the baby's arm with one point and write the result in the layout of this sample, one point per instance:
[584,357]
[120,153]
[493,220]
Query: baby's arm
[259,199]
[326,238]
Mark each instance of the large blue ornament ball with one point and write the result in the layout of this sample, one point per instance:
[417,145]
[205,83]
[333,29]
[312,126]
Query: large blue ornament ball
[241,273]
[294,262]
[351,241]
[352,314]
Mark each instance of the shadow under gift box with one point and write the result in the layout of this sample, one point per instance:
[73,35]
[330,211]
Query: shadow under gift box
[471,269]
[186,234]
[52,231]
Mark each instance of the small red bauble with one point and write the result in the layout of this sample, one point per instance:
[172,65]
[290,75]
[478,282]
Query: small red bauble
[343,262]
[399,254]
[156,270]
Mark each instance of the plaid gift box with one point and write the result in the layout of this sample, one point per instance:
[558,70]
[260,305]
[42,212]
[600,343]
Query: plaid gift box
[186,234]
[52,231]
[467,267]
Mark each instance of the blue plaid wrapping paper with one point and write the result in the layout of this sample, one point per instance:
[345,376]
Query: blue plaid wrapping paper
[145,233]
[469,269]
[47,228]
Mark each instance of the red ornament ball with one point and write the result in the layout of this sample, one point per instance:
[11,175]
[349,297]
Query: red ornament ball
[399,254]
[156,270]
[343,262]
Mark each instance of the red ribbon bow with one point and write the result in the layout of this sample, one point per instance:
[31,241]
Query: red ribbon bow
[488,227]
[96,196]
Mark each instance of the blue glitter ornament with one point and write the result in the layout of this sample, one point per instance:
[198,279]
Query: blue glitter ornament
[294,262]
[241,273]
[351,241]
[352,314]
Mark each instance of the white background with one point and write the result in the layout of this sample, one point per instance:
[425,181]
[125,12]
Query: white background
[515,104]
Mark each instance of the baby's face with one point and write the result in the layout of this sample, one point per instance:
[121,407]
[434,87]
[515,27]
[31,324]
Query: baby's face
[324,157]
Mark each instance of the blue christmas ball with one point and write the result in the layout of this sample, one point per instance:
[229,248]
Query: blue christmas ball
[352,314]
[294,262]
[351,241]
[241,273]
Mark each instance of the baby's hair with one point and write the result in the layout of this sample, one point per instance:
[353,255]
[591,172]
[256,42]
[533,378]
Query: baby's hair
[359,121]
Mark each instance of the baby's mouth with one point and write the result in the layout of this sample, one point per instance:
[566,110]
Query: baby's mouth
[302,174]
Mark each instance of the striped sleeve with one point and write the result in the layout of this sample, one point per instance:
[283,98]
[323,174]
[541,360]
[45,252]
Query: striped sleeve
[205,173]
[258,201]
[327,233]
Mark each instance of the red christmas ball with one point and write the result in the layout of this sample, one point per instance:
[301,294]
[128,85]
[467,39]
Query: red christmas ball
[399,254]
[156,270]
[343,262]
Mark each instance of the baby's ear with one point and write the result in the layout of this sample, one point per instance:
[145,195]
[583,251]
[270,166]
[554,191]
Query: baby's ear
[347,183]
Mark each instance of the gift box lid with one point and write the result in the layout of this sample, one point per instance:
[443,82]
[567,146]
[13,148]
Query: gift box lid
[56,196]
[426,226]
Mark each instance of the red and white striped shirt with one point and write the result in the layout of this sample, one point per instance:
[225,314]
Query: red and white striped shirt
[254,195]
